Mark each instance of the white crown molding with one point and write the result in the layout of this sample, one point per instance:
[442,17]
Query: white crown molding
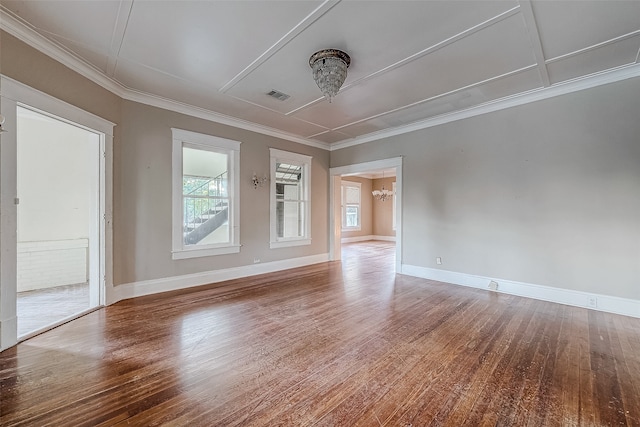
[27,34]
[575,85]
[166,284]
[202,113]
[607,303]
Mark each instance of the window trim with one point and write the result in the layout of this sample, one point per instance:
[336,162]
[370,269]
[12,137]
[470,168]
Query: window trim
[346,183]
[394,207]
[183,138]
[297,159]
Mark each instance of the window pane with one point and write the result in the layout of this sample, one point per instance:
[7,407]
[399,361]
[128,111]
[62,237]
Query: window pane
[289,196]
[290,201]
[205,197]
[351,216]
[352,195]
[290,219]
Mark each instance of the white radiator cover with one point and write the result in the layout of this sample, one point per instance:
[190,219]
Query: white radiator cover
[46,264]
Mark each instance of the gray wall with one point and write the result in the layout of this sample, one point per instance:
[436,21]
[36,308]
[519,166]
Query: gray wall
[142,247]
[545,193]
[142,173]
[383,211]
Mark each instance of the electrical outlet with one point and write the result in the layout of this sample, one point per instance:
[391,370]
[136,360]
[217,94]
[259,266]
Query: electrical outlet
[592,302]
[256,260]
[438,260]
[493,285]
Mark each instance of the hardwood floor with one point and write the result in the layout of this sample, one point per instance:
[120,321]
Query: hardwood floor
[335,344]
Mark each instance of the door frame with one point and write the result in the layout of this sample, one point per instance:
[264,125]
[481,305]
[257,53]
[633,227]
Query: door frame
[335,215]
[12,95]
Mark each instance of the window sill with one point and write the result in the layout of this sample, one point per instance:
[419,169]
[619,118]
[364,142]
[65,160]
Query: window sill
[289,243]
[197,253]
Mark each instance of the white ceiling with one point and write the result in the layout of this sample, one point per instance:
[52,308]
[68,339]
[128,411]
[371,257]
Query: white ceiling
[411,60]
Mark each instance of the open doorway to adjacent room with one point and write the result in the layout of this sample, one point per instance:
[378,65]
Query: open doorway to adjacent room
[58,221]
[366,219]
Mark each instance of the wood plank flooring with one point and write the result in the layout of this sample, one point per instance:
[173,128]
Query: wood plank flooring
[335,344]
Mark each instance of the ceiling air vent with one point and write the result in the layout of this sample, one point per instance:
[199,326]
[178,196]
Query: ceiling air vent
[278,95]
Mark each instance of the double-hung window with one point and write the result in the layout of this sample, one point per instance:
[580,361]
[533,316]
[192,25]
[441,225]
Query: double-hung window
[351,206]
[290,199]
[206,202]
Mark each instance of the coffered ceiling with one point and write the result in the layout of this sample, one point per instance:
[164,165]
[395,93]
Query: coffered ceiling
[413,62]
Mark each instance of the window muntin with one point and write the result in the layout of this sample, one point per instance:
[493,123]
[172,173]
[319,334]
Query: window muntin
[205,195]
[351,206]
[290,199]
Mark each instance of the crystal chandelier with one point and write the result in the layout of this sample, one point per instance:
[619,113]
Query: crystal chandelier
[383,194]
[329,70]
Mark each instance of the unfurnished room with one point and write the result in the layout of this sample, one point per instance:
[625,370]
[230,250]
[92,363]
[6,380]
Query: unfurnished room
[320,213]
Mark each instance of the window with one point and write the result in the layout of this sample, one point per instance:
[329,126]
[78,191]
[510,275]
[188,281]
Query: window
[290,199]
[206,202]
[351,206]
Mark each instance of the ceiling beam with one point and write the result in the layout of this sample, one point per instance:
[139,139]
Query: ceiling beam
[534,36]
[117,37]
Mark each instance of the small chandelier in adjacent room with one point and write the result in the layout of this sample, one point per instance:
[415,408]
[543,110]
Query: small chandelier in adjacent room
[329,70]
[383,194]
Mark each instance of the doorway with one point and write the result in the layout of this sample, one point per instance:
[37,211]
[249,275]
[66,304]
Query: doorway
[58,221]
[15,95]
[363,179]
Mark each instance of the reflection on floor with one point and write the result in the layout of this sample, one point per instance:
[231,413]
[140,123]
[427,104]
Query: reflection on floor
[42,307]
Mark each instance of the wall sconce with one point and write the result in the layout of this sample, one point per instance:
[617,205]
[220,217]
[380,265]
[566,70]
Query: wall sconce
[1,123]
[258,181]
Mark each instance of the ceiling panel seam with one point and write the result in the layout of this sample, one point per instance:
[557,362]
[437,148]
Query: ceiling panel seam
[26,33]
[117,36]
[433,98]
[278,112]
[284,40]
[594,47]
[446,42]
[534,36]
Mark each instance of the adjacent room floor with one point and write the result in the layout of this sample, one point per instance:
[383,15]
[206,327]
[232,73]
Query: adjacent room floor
[42,307]
[346,343]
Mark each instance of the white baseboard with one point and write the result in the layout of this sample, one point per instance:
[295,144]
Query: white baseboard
[149,287]
[610,304]
[366,238]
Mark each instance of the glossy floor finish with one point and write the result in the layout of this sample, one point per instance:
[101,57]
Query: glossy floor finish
[334,344]
[39,308]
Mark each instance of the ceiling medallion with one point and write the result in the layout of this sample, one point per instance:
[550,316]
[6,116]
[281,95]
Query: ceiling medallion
[329,70]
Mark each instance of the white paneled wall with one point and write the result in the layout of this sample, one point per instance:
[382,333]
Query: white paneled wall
[52,263]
